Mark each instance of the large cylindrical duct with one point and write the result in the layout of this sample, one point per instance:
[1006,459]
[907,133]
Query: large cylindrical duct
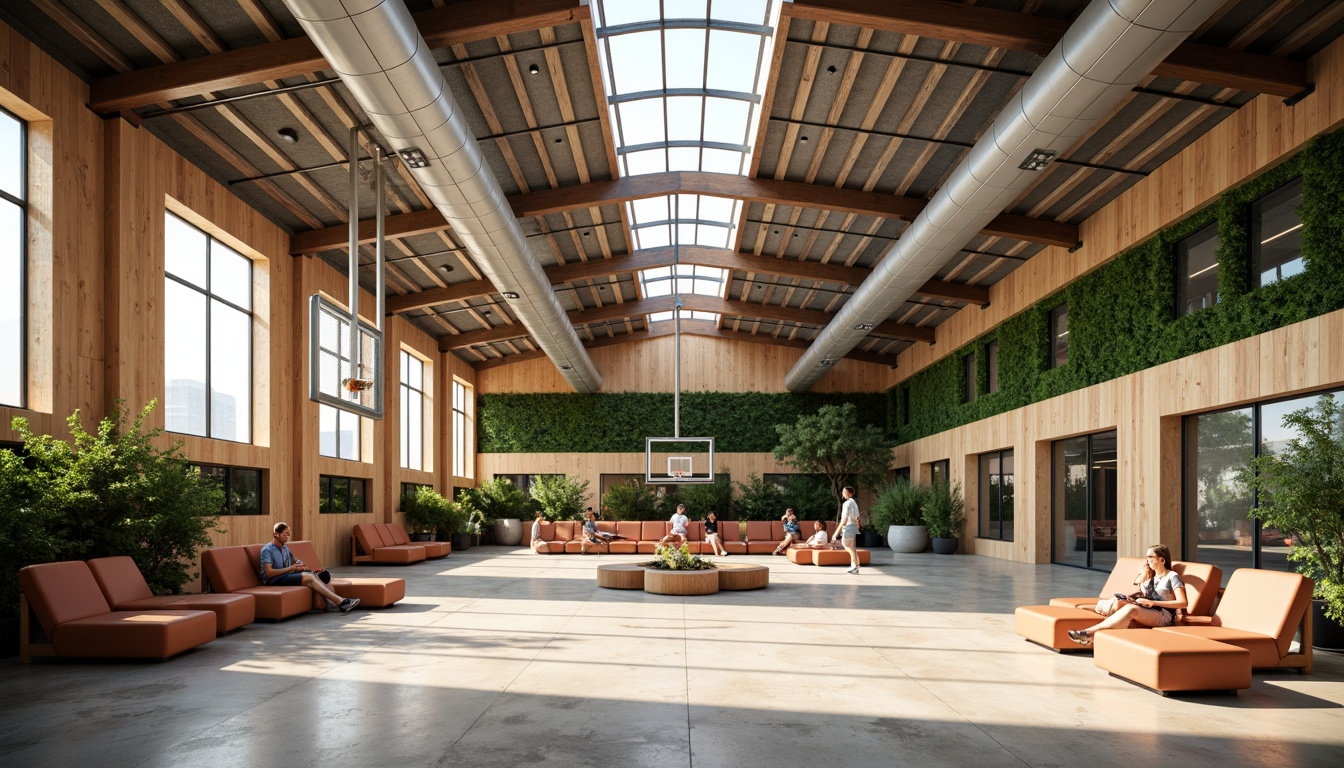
[1110,47]
[380,55]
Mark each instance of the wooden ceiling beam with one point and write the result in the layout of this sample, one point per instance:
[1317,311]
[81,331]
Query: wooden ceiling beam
[959,23]
[698,255]
[704,328]
[441,27]
[794,193]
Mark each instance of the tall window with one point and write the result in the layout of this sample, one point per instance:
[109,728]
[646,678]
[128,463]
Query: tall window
[1059,335]
[412,412]
[968,371]
[13,237]
[207,335]
[338,433]
[1216,503]
[1197,271]
[242,488]
[460,447]
[1276,234]
[992,362]
[1084,500]
[996,495]
[940,473]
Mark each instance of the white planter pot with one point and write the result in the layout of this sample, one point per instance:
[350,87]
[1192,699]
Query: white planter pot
[509,531]
[907,538]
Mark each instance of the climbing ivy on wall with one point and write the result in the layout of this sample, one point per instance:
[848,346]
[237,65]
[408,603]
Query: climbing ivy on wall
[1122,315]
[619,422]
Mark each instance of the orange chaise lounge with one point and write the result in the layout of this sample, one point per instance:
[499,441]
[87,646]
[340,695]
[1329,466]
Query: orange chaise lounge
[376,543]
[1049,625]
[372,592]
[126,590]
[78,622]
[228,570]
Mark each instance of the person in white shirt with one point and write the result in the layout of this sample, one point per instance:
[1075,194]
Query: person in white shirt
[818,540]
[848,529]
[538,544]
[679,522]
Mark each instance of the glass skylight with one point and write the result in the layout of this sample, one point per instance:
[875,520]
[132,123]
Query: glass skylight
[684,82]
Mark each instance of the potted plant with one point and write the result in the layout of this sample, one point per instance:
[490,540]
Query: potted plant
[1301,493]
[419,516]
[560,498]
[503,505]
[945,517]
[900,509]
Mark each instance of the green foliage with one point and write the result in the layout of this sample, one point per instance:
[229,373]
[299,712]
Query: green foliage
[945,511]
[678,559]
[428,510]
[498,499]
[810,497]
[559,497]
[835,444]
[702,498]
[1302,493]
[899,502]
[1122,315]
[631,500]
[106,493]
[759,499]
[619,422]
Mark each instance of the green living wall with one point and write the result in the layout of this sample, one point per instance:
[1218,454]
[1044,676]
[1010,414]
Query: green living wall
[1122,316]
[740,422]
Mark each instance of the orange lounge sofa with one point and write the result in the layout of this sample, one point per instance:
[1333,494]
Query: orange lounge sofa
[125,589]
[378,543]
[433,549]
[1049,625]
[228,570]
[641,537]
[371,592]
[76,620]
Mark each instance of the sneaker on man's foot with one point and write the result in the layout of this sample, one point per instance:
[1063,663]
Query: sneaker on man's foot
[348,604]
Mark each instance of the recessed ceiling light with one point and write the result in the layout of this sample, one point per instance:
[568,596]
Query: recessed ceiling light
[533,69]
[802,138]
[413,157]
[827,361]
[486,312]
[510,294]
[288,134]
[831,69]
[559,141]
[1037,160]
[446,267]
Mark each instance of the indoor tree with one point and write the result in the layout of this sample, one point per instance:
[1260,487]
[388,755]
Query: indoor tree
[833,443]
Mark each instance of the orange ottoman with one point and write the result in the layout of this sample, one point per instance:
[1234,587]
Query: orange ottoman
[1049,625]
[1167,662]
[837,556]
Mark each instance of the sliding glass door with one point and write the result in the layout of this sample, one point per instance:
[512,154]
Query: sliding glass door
[1084,520]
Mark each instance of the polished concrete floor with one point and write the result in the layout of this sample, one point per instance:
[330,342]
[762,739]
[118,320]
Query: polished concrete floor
[499,657]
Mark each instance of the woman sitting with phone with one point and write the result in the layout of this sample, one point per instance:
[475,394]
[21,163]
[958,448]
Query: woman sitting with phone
[1161,593]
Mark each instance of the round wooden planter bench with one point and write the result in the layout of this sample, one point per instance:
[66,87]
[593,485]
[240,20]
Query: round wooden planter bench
[740,576]
[620,576]
[681,582]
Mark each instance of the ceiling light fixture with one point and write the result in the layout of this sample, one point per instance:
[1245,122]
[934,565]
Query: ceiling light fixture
[1037,160]
[446,267]
[413,157]
[288,134]
[864,327]
[510,294]
[827,361]
[533,69]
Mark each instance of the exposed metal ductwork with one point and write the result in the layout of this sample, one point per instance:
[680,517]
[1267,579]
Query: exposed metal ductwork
[1110,47]
[380,55]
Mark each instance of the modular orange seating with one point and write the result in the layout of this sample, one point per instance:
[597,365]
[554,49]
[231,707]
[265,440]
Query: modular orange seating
[371,592]
[1049,625]
[433,549]
[825,556]
[78,622]
[125,589]
[759,541]
[650,533]
[373,543]
[1172,663]
[227,569]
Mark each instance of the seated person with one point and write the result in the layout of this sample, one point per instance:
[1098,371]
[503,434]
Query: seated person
[678,535]
[819,540]
[593,536]
[712,535]
[792,532]
[280,569]
[538,544]
[1160,595]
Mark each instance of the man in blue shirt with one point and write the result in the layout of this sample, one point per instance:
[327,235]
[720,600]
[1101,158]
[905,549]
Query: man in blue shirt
[280,569]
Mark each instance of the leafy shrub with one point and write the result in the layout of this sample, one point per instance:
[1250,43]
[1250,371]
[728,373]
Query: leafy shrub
[759,500]
[559,497]
[428,510]
[899,502]
[945,511]
[702,498]
[811,498]
[678,559]
[631,500]
[498,499]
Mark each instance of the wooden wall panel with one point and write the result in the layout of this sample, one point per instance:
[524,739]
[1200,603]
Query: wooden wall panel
[1251,140]
[707,365]
[1146,410]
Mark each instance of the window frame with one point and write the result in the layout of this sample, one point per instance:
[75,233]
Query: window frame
[1181,265]
[408,393]
[1059,342]
[22,204]
[968,375]
[997,515]
[359,433]
[1256,212]
[210,297]
[326,489]
[227,477]
[459,428]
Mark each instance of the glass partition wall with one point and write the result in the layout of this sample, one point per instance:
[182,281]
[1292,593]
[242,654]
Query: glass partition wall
[1083,501]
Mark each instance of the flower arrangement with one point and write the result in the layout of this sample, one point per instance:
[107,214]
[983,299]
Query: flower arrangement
[678,559]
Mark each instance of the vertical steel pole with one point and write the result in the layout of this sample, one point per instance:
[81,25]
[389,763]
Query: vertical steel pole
[354,253]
